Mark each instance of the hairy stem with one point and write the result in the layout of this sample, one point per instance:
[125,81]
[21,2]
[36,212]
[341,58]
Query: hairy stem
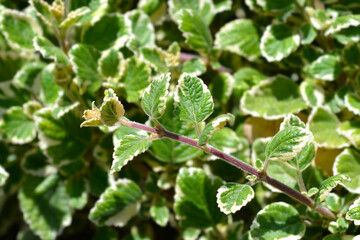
[237,163]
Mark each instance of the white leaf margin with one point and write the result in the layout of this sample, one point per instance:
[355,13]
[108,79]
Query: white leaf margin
[234,208]
[355,204]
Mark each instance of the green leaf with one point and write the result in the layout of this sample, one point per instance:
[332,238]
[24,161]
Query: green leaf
[193,100]
[205,9]
[98,8]
[48,212]
[308,34]
[43,10]
[351,130]
[156,57]
[27,76]
[49,51]
[323,124]
[61,139]
[118,204]
[170,151]
[227,141]
[241,37]
[136,78]
[194,66]
[18,127]
[195,31]
[76,190]
[112,30]
[155,96]
[345,28]
[84,60]
[195,199]
[304,159]
[278,220]
[312,93]
[327,186]
[60,111]
[221,87]
[50,92]
[287,143]
[19,28]
[73,16]
[348,163]
[109,63]
[215,125]
[141,28]
[351,53]
[326,67]
[3,176]
[292,120]
[333,202]
[354,212]
[128,147]
[352,102]
[160,214]
[111,109]
[231,197]
[245,78]
[273,98]
[278,42]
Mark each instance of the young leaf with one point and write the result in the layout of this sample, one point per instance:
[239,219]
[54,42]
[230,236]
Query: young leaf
[136,78]
[352,102]
[193,100]
[263,101]
[348,163]
[327,186]
[128,147]
[326,67]
[111,109]
[43,10]
[241,37]
[160,214]
[312,93]
[118,204]
[195,199]
[155,96]
[92,117]
[76,190]
[278,42]
[73,16]
[195,31]
[3,176]
[18,127]
[278,220]
[19,28]
[46,213]
[354,212]
[110,31]
[215,125]
[288,143]
[49,51]
[323,124]
[84,60]
[231,197]
[351,130]
[304,159]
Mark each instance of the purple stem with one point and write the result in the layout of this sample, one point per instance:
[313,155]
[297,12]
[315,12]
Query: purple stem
[238,163]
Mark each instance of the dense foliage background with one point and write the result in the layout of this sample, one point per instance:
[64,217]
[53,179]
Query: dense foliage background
[260,59]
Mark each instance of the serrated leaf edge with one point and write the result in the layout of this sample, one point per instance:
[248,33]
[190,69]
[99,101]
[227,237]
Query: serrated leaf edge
[234,207]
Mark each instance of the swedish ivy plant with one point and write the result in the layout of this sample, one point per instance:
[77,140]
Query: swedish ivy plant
[154,119]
